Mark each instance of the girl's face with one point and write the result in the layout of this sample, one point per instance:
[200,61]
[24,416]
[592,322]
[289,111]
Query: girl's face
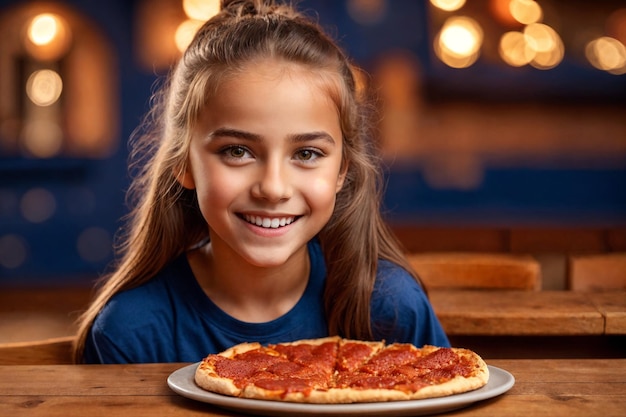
[266,162]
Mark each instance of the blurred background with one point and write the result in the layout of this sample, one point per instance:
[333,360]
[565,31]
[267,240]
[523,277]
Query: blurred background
[498,114]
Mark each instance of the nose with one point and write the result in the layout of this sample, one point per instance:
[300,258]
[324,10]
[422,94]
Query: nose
[273,182]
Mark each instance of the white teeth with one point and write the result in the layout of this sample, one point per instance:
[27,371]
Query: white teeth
[267,222]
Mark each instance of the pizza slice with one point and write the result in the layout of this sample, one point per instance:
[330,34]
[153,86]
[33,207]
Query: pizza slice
[284,372]
[353,353]
[405,372]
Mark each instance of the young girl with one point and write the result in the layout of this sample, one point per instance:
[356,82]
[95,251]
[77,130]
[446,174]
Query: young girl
[257,214]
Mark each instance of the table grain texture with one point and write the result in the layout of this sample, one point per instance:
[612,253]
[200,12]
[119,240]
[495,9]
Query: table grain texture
[546,387]
[612,305]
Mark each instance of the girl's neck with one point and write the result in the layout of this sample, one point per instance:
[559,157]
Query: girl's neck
[245,291]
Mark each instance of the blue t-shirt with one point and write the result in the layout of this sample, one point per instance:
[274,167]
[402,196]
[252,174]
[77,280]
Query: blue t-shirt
[170,319]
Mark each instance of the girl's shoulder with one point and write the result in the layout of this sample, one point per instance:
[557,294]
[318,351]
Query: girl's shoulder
[141,306]
[395,284]
[157,291]
[390,273]
[401,311]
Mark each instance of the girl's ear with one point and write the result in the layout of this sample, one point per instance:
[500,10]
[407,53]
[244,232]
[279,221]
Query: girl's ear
[184,177]
[342,177]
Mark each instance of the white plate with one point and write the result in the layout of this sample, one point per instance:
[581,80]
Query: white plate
[182,382]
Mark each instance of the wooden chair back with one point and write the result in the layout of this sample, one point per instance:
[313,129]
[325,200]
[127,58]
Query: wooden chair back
[598,272]
[54,351]
[456,270]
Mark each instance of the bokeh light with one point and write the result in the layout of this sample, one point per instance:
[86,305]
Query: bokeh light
[201,9]
[197,12]
[526,11]
[538,45]
[42,138]
[13,251]
[43,29]
[607,54]
[48,36]
[515,50]
[546,43]
[459,41]
[44,87]
[448,5]
[185,33]
[38,205]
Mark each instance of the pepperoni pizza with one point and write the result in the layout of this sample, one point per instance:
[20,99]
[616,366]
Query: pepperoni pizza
[335,370]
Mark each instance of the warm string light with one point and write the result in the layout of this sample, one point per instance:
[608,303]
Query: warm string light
[607,54]
[459,41]
[525,12]
[448,5]
[197,12]
[536,44]
[185,33]
[44,87]
[48,37]
[43,29]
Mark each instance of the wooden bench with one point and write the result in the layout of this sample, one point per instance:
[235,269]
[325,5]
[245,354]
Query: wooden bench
[55,351]
[597,272]
[34,313]
[518,313]
[445,270]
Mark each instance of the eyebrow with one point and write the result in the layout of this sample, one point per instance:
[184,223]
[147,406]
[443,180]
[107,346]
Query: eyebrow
[294,138]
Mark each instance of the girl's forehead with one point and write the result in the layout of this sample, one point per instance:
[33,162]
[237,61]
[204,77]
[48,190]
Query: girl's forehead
[275,69]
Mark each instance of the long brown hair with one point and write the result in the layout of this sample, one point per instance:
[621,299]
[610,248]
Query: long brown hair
[165,220]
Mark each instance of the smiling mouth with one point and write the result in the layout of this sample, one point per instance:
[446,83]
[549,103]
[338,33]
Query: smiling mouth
[269,222]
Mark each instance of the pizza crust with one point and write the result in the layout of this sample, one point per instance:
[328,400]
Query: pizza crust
[206,375]
[314,342]
[207,379]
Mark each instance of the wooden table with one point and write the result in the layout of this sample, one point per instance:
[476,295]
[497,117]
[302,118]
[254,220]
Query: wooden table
[555,388]
[612,305]
[530,313]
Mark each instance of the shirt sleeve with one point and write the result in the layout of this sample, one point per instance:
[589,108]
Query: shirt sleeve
[101,349]
[129,330]
[401,311]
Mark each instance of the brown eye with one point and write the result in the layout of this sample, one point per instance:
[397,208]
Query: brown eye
[237,152]
[305,155]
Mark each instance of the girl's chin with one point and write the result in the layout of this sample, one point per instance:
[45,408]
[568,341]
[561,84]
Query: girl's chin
[268,258]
